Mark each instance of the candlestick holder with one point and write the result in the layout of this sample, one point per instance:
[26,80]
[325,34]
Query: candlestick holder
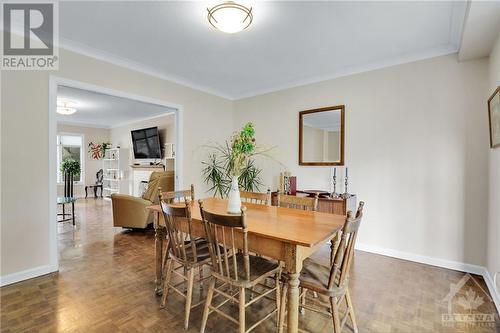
[345,195]
[334,193]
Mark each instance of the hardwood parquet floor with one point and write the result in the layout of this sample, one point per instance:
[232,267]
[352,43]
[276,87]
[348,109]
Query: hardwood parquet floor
[106,282]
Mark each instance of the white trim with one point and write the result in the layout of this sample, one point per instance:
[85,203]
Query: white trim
[27,274]
[492,288]
[448,264]
[114,59]
[53,253]
[54,82]
[458,16]
[359,69]
[394,61]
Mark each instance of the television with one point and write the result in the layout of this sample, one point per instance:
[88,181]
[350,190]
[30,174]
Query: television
[146,143]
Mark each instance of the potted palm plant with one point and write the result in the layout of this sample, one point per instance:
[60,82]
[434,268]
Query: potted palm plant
[231,166]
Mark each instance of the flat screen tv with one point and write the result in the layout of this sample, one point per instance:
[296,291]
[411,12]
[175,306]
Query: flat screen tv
[146,143]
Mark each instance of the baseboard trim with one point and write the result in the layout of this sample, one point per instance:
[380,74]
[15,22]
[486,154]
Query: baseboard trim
[492,288]
[25,275]
[449,264]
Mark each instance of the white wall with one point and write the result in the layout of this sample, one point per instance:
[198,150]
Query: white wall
[414,145]
[120,136]
[25,231]
[91,166]
[493,254]
[415,148]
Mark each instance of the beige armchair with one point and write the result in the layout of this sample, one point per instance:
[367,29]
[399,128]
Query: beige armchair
[130,211]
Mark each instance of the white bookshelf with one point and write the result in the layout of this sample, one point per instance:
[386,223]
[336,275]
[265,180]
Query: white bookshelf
[115,167]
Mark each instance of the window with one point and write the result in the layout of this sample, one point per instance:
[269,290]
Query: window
[69,146]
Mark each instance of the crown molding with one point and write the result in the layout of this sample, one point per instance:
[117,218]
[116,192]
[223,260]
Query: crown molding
[126,63]
[114,59]
[458,18]
[390,62]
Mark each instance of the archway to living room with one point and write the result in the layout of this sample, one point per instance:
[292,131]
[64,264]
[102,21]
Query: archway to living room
[106,149]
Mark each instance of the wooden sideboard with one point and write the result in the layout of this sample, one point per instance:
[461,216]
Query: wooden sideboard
[338,206]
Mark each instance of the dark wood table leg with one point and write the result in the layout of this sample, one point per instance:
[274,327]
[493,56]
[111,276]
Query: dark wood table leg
[86,192]
[159,235]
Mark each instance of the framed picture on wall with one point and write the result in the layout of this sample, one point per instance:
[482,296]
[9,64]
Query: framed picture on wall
[494,116]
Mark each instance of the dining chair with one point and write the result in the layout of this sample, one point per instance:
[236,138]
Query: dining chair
[256,197]
[330,281]
[178,196]
[173,197]
[235,272]
[67,199]
[184,249]
[292,201]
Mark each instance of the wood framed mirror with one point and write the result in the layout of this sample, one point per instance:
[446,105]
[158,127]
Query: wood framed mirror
[321,136]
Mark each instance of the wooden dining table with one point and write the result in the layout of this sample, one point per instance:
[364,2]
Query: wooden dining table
[285,234]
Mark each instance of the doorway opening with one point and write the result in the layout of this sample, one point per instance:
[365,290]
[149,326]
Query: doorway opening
[109,142]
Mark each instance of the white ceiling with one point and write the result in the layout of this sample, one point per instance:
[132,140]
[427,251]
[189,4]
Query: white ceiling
[105,111]
[481,29]
[288,44]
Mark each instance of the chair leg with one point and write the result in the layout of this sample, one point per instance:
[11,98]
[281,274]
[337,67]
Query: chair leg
[170,266]
[283,307]
[165,256]
[189,297]
[335,315]
[351,311]
[208,303]
[278,298]
[200,271]
[303,301]
[242,310]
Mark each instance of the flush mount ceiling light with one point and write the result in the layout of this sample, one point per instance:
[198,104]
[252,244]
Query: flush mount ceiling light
[65,107]
[230,17]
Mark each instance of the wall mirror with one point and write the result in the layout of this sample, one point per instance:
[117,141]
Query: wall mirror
[321,136]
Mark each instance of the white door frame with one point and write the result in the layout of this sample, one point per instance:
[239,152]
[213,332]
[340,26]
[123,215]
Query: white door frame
[54,82]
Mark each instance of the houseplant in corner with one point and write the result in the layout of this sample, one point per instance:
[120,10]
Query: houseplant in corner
[70,166]
[231,167]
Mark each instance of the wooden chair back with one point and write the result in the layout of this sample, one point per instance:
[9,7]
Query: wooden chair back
[256,197]
[68,184]
[182,243]
[178,196]
[339,271]
[292,201]
[99,177]
[223,232]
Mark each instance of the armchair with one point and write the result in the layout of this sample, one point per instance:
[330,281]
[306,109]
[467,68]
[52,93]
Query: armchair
[130,211]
